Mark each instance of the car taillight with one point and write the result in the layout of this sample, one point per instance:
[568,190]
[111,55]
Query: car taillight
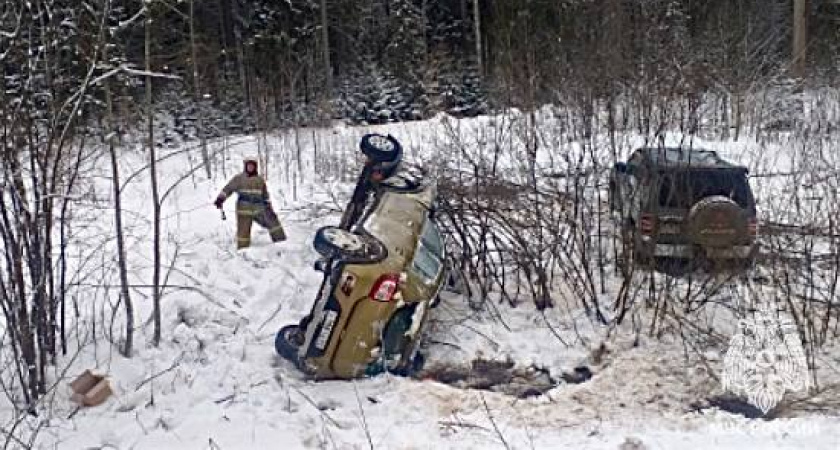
[646,224]
[752,227]
[385,288]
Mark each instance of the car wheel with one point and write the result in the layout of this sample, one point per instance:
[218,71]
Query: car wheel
[380,148]
[418,363]
[745,265]
[733,266]
[455,280]
[287,342]
[716,222]
[337,243]
[304,323]
[626,256]
[674,267]
[394,341]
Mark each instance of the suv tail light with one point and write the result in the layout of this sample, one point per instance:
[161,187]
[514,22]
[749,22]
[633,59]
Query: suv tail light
[385,288]
[646,223]
[752,227]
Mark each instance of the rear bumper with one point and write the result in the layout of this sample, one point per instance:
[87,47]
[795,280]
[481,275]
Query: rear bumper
[342,336]
[673,250]
[736,252]
[692,251]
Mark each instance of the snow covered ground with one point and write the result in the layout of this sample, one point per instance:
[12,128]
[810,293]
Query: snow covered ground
[216,383]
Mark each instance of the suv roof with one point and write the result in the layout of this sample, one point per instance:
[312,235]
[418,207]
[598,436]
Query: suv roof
[683,158]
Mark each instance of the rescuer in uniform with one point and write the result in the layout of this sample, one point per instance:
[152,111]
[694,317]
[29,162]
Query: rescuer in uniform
[252,205]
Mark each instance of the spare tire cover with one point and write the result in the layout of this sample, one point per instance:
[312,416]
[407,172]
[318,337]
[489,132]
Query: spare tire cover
[716,221]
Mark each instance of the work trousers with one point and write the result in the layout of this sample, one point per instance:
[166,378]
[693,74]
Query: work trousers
[265,218]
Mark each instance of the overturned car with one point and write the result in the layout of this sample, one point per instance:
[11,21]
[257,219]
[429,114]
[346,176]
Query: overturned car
[383,270]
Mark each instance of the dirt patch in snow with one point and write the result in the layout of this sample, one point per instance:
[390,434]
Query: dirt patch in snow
[496,376]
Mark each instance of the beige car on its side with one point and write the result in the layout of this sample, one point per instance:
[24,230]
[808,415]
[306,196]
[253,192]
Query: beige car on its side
[382,276]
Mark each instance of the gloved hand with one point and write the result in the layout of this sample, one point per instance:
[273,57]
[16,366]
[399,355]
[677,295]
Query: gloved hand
[219,201]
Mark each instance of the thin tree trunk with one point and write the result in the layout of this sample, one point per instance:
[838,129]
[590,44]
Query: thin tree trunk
[30,227]
[155,194]
[36,225]
[479,55]
[205,155]
[62,256]
[223,29]
[240,60]
[325,48]
[800,36]
[17,310]
[27,339]
[424,19]
[122,262]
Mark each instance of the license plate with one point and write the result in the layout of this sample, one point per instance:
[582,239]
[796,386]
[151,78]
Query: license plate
[669,228]
[326,329]
[670,250]
[726,253]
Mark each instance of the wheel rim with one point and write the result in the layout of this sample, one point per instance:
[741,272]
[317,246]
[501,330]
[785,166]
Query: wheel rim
[289,336]
[382,143]
[343,240]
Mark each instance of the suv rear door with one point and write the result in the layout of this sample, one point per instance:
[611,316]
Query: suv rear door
[681,189]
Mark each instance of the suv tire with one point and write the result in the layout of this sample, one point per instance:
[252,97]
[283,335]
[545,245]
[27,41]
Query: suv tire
[716,222]
[629,255]
[284,342]
[381,148]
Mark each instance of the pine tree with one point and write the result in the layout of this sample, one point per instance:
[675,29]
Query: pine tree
[470,99]
[372,95]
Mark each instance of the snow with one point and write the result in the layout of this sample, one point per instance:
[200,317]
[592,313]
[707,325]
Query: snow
[215,381]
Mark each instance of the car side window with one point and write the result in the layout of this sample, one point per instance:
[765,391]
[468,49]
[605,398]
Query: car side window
[632,184]
[428,258]
[634,192]
[432,239]
[671,191]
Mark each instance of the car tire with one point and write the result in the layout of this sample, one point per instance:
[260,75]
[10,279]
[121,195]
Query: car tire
[337,243]
[674,267]
[381,148]
[284,343]
[455,280]
[304,323]
[417,363]
[626,254]
[720,209]
[745,265]
[393,338]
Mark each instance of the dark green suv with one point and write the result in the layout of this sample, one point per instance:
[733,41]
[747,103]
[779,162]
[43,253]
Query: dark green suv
[679,208]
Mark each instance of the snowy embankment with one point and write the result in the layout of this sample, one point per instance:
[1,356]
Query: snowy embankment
[216,383]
